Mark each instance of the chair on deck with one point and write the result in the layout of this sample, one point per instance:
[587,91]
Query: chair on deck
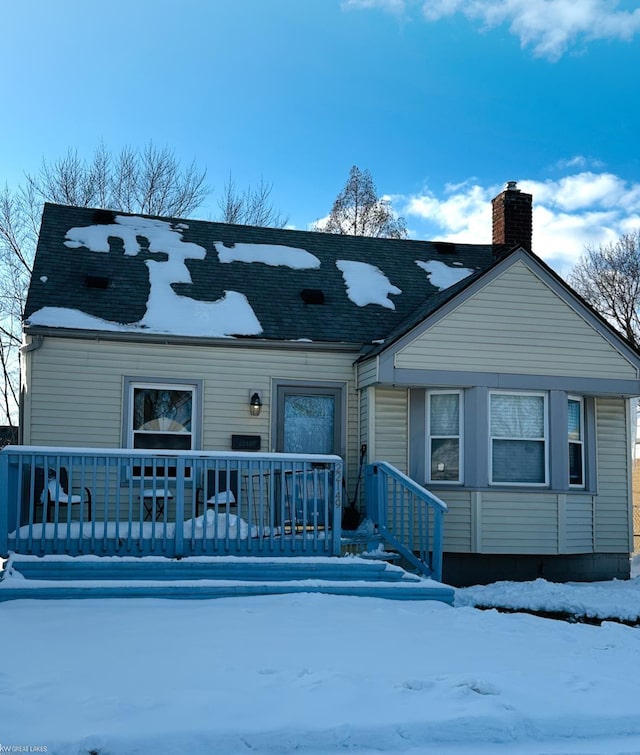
[220,491]
[55,490]
[305,494]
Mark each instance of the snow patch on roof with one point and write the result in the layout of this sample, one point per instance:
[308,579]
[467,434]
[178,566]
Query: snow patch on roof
[63,317]
[167,311]
[441,275]
[367,284]
[231,315]
[162,237]
[269,254]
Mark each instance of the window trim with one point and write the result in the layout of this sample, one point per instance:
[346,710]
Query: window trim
[545,439]
[581,443]
[133,382]
[459,436]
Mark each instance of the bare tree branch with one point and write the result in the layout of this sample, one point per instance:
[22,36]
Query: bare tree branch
[253,206]
[608,277]
[150,181]
[358,211]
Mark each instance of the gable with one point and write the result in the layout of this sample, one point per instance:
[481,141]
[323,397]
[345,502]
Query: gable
[516,324]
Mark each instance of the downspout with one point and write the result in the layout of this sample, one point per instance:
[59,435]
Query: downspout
[632,460]
[34,344]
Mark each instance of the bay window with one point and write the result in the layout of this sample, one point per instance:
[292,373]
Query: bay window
[518,438]
[483,437]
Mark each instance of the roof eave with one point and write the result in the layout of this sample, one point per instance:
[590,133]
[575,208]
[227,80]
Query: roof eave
[169,338]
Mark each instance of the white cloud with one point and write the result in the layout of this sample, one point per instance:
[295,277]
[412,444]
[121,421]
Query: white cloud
[320,224]
[548,27]
[393,6]
[464,215]
[583,209]
[579,161]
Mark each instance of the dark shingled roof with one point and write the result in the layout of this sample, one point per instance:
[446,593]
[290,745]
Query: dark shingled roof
[60,277]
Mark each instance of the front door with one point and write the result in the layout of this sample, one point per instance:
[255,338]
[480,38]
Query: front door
[309,420]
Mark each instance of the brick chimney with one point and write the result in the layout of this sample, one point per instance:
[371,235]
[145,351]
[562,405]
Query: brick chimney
[512,218]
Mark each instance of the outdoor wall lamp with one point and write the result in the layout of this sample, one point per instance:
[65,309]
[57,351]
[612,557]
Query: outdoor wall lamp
[255,404]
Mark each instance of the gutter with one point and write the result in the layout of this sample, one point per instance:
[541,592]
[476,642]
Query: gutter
[38,333]
[35,343]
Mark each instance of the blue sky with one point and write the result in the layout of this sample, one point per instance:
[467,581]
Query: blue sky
[443,101]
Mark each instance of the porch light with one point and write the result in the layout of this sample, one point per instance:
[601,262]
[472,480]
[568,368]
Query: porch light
[255,404]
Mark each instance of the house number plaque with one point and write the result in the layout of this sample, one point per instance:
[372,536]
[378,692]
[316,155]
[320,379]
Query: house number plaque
[245,442]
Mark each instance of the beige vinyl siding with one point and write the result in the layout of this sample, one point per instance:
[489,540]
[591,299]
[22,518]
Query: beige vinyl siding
[516,324]
[76,394]
[364,417]
[457,520]
[367,372]
[613,500]
[391,426]
[353,443]
[579,511]
[519,523]
[363,437]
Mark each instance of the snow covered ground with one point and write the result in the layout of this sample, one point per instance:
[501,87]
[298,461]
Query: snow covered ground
[323,674]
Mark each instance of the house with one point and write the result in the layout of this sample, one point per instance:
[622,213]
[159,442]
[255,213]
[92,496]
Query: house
[471,368]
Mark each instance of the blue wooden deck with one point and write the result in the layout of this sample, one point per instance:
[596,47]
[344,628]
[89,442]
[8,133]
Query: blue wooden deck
[129,507]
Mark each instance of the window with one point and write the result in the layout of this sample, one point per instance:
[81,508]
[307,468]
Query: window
[575,415]
[443,429]
[161,416]
[518,438]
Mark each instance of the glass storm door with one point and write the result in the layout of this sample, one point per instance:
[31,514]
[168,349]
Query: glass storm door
[309,420]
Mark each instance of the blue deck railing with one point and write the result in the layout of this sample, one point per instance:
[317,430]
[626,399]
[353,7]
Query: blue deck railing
[125,502]
[134,503]
[407,516]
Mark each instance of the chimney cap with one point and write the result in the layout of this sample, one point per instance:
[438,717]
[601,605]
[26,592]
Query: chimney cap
[512,186]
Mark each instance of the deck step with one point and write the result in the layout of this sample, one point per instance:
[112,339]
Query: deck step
[189,569]
[67,590]
[213,577]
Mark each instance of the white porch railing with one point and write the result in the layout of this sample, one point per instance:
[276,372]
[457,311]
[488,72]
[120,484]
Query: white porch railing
[126,502]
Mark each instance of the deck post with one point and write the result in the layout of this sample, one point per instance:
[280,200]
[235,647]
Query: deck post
[179,531]
[5,497]
[436,558]
[337,509]
[382,497]
[369,496]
